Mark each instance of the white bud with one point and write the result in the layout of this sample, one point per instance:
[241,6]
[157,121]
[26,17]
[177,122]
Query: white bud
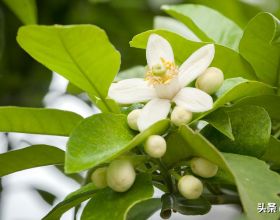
[210,81]
[120,175]
[132,119]
[98,177]
[155,146]
[203,168]
[190,187]
[180,116]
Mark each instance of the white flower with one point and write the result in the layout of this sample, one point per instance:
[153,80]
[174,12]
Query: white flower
[165,83]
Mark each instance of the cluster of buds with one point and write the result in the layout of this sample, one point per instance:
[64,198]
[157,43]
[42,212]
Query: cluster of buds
[120,174]
[190,186]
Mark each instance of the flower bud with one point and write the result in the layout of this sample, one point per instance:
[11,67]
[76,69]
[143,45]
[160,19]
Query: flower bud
[132,119]
[98,177]
[180,116]
[155,146]
[120,175]
[158,70]
[203,168]
[190,187]
[210,81]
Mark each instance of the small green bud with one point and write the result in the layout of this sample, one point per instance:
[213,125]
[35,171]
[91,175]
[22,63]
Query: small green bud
[158,70]
[190,187]
[203,168]
[132,119]
[180,116]
[155,146]
[210,81]
[98,177]
[120,175]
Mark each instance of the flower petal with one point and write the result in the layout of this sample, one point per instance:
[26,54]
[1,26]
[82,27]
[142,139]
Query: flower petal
[168,90]
[130,91]
[196,64]
[155,110]
[193,100]
[157,48]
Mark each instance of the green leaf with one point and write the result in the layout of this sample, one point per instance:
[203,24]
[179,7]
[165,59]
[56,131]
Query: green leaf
[90,64]
[107,204]
[133,72]
[176,150]
[271,103]
[234,89]
[72,89]
[144,210]
[200,146]
[72,200]
[103,137]
[272,153]
[29,157]
[256,183]
[230,93]
[207,24]
[251,127]
[46,196]
[170,24]
[220,120]
[38,120]
[228,60]
[25,10]
[258,47]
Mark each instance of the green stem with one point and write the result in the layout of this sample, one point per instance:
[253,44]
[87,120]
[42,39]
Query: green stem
[165,174]
[175,174]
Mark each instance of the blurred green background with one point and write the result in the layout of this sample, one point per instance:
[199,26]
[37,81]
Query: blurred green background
[24,82]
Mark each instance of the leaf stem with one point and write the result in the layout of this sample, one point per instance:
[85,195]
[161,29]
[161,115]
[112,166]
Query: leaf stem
[175,174]
[165,174]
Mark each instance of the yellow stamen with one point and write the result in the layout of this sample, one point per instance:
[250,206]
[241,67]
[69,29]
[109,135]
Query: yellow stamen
[170,73]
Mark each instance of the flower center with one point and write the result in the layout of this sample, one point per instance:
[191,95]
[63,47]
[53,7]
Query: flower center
[161,73]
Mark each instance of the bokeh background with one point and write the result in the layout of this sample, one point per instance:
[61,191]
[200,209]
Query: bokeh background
[29,195]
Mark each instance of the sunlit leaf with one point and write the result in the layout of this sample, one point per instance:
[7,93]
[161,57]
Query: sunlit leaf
[258,47]
[101,138]
[29,157]
[207,24]
[90,64]
[173,25]
[256,183]
[38,120]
